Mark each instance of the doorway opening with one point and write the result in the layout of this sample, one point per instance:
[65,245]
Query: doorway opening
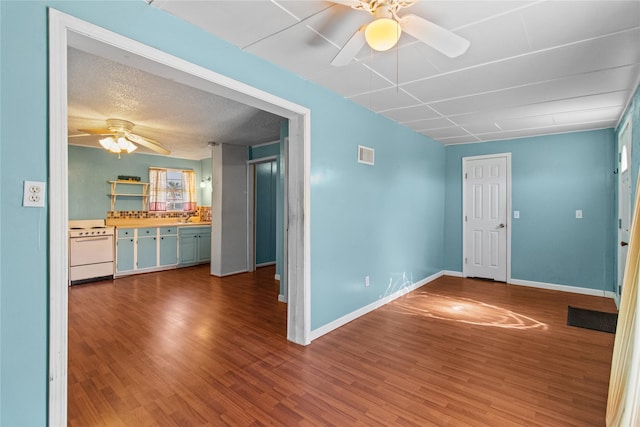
[65,31]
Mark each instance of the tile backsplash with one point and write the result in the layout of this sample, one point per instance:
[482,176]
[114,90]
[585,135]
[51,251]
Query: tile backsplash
[204,212]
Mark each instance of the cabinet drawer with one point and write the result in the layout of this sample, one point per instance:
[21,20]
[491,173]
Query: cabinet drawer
[125,232]
[164,231]
[145,232]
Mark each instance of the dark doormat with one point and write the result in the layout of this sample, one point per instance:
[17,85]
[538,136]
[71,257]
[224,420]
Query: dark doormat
[589,319]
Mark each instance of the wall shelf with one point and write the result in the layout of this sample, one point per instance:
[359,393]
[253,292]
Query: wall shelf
[144,194]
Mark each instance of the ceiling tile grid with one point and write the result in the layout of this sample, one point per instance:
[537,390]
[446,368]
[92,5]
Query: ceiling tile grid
[533,67]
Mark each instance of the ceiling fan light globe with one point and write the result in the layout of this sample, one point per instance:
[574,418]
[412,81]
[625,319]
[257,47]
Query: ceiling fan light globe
[123,143]
[114,148]
[106,142]
[130,147]
[382,34]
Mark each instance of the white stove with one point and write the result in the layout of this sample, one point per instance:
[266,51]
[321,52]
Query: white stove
[91,251]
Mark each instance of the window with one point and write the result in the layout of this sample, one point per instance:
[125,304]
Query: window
[172,190]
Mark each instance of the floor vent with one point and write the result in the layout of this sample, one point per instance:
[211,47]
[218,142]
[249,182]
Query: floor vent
[365,155]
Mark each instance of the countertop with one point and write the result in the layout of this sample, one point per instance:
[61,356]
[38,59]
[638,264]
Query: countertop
[139,223]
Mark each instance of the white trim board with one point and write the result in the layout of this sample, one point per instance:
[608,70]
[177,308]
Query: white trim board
[317,333]
[65,30]
[563,288]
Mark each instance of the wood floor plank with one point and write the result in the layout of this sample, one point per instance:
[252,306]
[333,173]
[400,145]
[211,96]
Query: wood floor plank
[182,348]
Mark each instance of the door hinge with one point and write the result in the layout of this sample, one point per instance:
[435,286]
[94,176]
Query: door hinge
[619,289]
[465,176]
[465,218]
[619,222]
[619,157]
[465,260]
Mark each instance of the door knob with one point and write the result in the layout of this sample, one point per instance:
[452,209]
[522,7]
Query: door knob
[501,226]
[624,243]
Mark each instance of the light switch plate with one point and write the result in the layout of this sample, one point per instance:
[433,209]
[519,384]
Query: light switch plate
[516,214]
[33,194]
[579,214]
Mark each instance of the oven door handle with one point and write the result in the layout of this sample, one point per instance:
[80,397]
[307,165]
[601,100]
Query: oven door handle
[91,239]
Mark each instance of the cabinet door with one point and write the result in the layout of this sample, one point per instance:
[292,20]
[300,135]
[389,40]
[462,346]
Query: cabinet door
[204,247]
[147,252]
[124,254]
[168,250]
[188,248]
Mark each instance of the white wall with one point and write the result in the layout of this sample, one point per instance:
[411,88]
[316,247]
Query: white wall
[229,210]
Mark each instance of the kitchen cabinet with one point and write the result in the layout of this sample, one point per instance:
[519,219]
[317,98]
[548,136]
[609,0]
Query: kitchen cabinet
[144,249]
[147,248]
[168,246]
[195,245]
[124,252]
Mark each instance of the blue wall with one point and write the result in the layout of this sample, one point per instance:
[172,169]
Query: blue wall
[552,177]
[267,188]
[91,168]
[382,220]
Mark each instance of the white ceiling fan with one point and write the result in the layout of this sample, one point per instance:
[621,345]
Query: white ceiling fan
[385,30]
[119,138]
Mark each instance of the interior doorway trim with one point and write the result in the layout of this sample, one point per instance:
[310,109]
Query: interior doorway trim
[508,214]
[62,27]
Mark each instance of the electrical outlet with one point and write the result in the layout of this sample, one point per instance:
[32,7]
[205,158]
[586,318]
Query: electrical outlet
[33,195]
[366,280]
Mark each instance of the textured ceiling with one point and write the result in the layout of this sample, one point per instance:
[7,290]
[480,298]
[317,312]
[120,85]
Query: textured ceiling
[533,68]
[183,119]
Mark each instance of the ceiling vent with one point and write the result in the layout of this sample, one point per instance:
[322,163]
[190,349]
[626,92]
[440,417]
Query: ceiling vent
[365,155]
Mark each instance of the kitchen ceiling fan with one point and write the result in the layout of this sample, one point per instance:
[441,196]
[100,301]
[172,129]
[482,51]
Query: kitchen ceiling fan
[385,30]
[119,138]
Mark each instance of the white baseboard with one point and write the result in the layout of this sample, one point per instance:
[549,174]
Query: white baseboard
[276,277]
[265,264]
[232,273]
[563,288]
[317,333]
[282,298]
[453,273]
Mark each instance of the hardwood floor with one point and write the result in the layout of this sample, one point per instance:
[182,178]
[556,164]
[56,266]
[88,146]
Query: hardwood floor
[181,348]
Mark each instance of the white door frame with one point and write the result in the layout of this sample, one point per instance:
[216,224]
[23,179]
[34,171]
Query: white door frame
[251,209]
[626,129]
[508,213]
[64,28]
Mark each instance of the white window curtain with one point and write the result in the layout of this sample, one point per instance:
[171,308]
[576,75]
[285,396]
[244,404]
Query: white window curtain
[189,190]
[157,189]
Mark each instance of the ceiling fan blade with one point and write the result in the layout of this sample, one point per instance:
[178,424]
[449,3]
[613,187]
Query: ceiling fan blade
[148,142]
[350,3]
[103,131]
[350,49]
[434,35]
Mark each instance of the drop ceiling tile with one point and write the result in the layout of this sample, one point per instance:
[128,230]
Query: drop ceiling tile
[386,99]
[295,56]
[304,9]
[557,22]
[408,114]
[410,63]
[613,100]
[449,132]
[430,124]
[532,122]
[571,87]
[350,80]
[481,127]
[459,140]
[585,116]
[544,131]
[238,22]
[491,40]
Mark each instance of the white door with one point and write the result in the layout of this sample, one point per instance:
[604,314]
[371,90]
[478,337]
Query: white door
[624,200]
[485,216]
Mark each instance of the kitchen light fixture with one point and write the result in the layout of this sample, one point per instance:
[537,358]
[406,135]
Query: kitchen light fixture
[117,145]
[382,34]
[204,181]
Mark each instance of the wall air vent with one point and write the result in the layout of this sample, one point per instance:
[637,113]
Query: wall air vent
[365,155]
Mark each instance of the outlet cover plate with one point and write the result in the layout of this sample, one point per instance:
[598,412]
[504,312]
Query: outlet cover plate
[33,194]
